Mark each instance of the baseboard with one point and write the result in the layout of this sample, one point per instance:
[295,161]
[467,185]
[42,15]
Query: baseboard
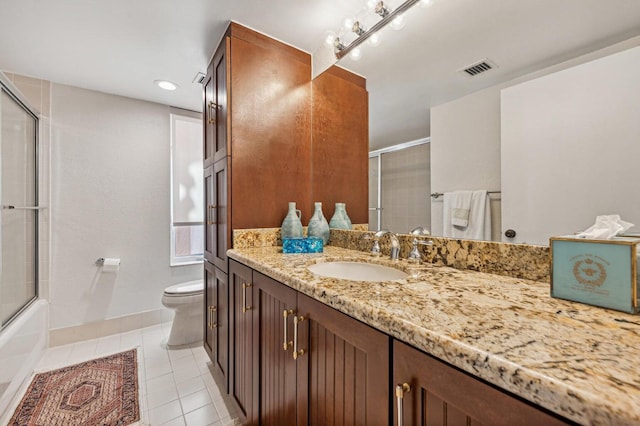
[97,329]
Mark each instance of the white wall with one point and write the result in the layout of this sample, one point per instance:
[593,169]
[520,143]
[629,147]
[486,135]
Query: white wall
[570,148]
[465,151]
[110,198]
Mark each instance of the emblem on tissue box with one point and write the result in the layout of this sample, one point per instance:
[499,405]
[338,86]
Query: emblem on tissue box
[597,272]
[590,271]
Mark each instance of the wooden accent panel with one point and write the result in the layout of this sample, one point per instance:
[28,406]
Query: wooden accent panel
[270,132]
[442,395]
[243,386]
[340,143]
[344,376]
[263,41]
[277,366]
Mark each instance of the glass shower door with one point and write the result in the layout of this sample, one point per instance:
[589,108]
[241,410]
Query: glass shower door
[19,211]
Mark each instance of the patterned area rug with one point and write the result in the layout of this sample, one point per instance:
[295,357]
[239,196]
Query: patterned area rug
[102,391]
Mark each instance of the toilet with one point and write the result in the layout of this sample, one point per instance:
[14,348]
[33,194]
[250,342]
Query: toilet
[187,300]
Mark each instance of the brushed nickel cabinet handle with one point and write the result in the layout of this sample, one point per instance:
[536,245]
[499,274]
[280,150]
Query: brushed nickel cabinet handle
[296,352]
[245,308]
[287,343]
[212,112]
[400,391]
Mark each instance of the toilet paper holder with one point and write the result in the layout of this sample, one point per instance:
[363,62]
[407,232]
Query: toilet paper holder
[101,260]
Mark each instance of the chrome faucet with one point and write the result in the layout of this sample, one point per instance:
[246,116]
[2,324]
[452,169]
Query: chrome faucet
[395,244]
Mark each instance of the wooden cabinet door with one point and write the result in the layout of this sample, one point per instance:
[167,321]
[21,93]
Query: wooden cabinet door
[215,107]
[209,225]
[276,304]
[243,384]
[209,303]
[343,374]
[218,109]
[207,120]
[442,395]
[216,336]
[220,326]
[216,214]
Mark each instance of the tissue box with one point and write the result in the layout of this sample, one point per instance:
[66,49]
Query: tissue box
[596,272]
[302,245]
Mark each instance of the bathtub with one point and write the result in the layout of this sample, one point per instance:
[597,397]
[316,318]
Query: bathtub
[22,344]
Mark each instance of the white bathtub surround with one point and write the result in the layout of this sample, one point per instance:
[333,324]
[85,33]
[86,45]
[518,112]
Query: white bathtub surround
[22,345]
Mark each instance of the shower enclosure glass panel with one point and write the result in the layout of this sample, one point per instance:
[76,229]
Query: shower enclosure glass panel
[19,201]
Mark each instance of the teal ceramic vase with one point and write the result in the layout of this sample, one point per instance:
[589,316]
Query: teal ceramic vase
[318,226]
[340,220]
[291,225]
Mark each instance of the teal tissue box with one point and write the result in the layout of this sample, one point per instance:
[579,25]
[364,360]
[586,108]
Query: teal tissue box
[302,245]
[596,272]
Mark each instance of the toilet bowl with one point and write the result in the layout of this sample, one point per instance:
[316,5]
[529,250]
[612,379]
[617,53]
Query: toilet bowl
[187,300]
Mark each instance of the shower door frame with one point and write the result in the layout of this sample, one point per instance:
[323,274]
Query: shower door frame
[14,93]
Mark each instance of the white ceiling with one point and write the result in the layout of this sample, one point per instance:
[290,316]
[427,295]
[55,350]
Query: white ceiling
[122,46]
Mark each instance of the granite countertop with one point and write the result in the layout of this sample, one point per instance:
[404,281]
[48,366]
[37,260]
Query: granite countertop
[579,361]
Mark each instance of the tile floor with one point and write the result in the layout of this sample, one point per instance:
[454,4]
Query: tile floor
[176,387]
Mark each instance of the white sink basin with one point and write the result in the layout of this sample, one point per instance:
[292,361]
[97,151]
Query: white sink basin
[356,271]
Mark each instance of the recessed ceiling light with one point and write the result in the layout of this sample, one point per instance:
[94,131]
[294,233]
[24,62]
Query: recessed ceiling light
[166,85]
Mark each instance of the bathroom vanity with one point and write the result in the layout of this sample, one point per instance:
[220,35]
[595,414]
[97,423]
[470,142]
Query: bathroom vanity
[470,346]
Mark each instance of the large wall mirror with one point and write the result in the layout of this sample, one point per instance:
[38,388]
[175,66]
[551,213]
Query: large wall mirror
[559,81]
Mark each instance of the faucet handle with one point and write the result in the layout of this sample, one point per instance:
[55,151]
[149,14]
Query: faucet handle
[414,255]
[375,250]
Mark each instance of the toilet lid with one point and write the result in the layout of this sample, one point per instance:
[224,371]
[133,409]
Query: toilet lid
[184,289]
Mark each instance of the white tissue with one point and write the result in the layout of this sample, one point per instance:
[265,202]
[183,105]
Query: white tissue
[605,228]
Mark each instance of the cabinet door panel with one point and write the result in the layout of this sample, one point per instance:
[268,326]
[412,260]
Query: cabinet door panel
[277,366]
[208,145]
[209,225]
[220,326]
[209,301]
[442,395]
[344,374]
[244,362]
[219,211]
[219,110]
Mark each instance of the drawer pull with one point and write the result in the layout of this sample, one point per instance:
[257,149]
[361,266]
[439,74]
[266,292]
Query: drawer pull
[287,343]
[245,308]
[296,352]
[400,391]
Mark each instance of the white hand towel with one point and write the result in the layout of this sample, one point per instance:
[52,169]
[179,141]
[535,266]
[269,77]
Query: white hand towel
[460,207]
[479,222]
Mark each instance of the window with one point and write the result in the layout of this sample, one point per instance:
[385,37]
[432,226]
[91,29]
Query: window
[187,225]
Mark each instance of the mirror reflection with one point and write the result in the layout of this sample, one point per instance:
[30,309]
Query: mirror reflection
[548,121]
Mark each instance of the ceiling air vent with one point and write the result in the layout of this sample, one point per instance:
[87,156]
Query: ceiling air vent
[199,78]
[478,68]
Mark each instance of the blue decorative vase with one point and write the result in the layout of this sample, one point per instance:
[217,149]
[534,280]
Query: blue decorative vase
[340,220]
[291,225]
[318,226]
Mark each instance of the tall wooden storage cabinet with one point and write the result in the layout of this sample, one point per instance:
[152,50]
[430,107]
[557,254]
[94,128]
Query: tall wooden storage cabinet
[271,136]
